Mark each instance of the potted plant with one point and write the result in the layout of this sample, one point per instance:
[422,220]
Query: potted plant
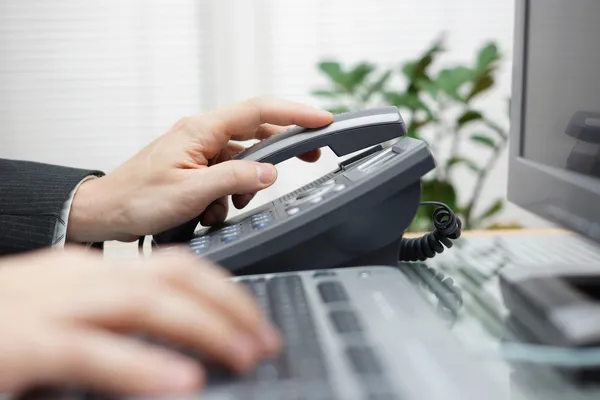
[437,108]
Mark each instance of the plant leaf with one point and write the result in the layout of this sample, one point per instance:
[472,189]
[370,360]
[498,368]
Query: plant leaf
[484,140]
[358,75]
[486,56]
[462,160]
[338,110]
[468,116]
[333,70]
[377,86]
[416,124]
[481,84]
[428,86]
[439,190]
[450,80]
[408,100]
[325,93]
[418,69]
[492,210]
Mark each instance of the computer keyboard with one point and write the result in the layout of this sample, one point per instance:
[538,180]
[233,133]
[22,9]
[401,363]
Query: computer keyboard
[301,366]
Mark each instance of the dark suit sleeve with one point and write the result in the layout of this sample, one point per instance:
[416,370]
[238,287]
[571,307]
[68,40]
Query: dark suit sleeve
[31,198]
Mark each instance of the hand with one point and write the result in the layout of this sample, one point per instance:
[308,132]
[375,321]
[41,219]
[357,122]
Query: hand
[175,178]
[66,315]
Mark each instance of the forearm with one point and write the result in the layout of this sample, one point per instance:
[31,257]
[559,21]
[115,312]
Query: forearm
[32,196]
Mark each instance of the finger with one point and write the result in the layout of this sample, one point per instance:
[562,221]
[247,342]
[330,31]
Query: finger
[241,121]
[116,364]
[267,130]
[233,177]
[229,151]
[213,285]
[242,200]
[216,212]
[163,311]
[311,156]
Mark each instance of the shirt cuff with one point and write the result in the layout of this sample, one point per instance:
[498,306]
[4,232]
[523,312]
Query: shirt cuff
[60,229]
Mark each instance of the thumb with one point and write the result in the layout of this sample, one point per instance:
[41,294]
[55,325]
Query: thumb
[235,177]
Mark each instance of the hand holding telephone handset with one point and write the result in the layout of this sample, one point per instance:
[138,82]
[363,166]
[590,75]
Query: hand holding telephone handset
[355,215]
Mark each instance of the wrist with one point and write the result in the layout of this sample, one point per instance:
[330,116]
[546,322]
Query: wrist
[94,216]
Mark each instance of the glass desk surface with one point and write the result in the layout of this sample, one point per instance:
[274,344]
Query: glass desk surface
[483,323]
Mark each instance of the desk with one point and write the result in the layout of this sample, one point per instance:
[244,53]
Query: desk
[481,322]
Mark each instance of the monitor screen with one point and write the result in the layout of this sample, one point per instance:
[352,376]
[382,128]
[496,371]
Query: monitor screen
[555,116]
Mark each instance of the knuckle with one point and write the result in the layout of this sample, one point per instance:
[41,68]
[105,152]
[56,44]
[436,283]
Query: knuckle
[75,356]
[141,300]
[258,100]
[190,124]
[174,267]
[183,123]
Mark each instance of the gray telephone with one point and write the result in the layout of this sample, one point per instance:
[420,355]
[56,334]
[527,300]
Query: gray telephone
[353,216]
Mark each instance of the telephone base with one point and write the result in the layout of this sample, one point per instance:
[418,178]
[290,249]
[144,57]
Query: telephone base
[387,255]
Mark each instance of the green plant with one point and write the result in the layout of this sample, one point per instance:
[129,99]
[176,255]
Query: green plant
[439,107]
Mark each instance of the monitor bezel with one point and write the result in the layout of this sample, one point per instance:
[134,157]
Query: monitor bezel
[569,203]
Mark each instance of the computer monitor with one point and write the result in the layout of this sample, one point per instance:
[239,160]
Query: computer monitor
[554,167]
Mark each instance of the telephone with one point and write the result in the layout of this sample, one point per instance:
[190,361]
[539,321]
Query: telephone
[353,216]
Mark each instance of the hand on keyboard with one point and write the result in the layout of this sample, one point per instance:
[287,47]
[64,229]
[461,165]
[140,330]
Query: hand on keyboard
[65,316]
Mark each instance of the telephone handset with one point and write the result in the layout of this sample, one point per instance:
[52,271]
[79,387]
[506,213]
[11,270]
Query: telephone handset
[355,215]
[344,135]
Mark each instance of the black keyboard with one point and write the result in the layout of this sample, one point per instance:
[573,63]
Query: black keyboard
[302,360]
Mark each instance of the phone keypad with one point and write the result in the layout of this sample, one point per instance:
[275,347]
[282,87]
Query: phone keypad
[311,195]
[200,244]
[261,220]
[231,233]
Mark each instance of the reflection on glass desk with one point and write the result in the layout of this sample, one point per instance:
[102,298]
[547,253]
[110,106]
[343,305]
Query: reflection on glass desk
[478,316]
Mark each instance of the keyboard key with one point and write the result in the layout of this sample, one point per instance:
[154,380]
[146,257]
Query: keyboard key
[332,292]
[258,288]
[302,356]
[385,396]
[266,372]
[322,274]
[345,321]
[363,360]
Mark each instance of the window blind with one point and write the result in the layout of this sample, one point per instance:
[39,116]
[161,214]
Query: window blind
[87,84]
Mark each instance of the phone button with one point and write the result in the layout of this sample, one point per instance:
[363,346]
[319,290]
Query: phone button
[339,187]
[316,200]
[292,210]
[228,238]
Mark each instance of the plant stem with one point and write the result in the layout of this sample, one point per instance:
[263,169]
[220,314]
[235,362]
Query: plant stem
[481,177]
[496,128]
[455,143]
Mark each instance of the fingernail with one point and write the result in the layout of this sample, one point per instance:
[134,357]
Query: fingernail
[181,376]
[266,173]
[244,351]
